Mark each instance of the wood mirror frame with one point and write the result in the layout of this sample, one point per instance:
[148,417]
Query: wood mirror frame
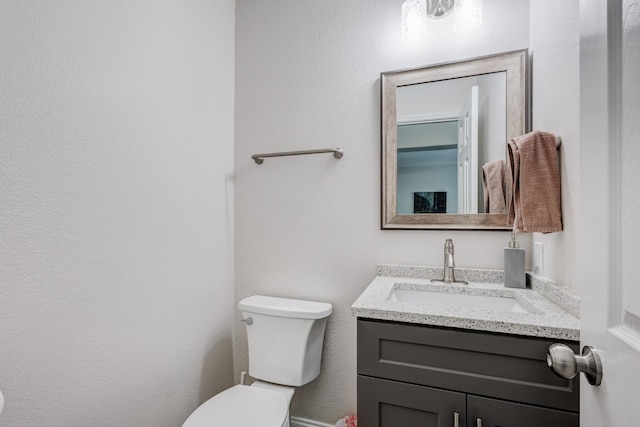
[516,66]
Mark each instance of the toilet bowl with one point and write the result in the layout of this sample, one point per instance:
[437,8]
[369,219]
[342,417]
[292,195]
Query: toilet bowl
[244,406]
[285,339]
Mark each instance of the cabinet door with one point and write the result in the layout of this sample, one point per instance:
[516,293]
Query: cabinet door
[484,412]
[479,363]
[385,403]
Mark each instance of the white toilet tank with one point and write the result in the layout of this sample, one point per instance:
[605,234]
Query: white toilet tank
[285,338]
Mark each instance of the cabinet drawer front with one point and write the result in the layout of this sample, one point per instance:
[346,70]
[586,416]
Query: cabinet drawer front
[497,413]
[385,403]
[486,364]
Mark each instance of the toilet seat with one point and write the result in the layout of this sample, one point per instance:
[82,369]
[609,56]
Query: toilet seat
[242,406]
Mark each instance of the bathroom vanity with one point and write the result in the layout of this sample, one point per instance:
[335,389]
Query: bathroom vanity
[424,360]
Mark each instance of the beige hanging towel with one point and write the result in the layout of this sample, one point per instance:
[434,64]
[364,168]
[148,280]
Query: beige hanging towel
[493,185]
[535,174]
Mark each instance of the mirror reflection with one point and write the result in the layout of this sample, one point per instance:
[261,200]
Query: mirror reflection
[444,135]
[447,131]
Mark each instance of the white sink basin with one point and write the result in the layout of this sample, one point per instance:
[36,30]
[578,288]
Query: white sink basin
[486,302]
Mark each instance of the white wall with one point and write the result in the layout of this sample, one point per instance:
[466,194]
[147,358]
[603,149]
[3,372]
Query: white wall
[492,104]
[307,76]
[418,101]
[555,41]
[422,135]
[427,170]
[116,231]
[492,125]
[433,177]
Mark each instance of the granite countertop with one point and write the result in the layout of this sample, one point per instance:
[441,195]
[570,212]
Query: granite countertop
[551,310]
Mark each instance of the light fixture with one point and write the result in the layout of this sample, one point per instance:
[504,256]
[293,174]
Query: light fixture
[414,19]
[467,15]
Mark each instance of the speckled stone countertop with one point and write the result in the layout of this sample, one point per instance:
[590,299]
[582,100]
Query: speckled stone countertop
[555,317]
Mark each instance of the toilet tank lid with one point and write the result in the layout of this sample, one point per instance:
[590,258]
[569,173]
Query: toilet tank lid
[285,307]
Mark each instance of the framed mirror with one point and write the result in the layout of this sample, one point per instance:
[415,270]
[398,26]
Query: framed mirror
[445,130]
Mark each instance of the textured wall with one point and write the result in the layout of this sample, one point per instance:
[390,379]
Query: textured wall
[555,46]
[116,148]
[307,76]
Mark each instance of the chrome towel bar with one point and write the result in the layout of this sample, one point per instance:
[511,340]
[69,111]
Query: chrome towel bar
[337,153]
[558,142]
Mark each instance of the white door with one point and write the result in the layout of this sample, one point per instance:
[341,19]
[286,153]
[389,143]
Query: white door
[468,155]
[610,208]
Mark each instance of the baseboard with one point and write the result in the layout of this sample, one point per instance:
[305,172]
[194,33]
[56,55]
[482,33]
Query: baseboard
[301,422]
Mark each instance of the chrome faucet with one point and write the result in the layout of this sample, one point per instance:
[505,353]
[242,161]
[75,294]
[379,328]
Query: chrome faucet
[449,262]
[449,265]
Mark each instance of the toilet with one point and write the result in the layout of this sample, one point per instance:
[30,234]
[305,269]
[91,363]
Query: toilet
[285,339]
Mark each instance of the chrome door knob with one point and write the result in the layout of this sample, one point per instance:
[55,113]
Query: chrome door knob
[564,363]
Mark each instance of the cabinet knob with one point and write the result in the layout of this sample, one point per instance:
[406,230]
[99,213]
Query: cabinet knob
[456,419]
[564,363]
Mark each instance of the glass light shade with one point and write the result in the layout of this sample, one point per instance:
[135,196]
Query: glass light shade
[468,15]
[414,19]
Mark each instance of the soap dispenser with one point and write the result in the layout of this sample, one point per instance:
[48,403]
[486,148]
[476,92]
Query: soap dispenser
[514,274]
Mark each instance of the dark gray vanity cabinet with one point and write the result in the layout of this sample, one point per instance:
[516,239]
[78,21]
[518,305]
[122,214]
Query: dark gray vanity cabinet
[417,375]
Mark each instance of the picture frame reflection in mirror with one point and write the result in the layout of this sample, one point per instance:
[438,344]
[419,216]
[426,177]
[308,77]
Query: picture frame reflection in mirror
[429,202]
